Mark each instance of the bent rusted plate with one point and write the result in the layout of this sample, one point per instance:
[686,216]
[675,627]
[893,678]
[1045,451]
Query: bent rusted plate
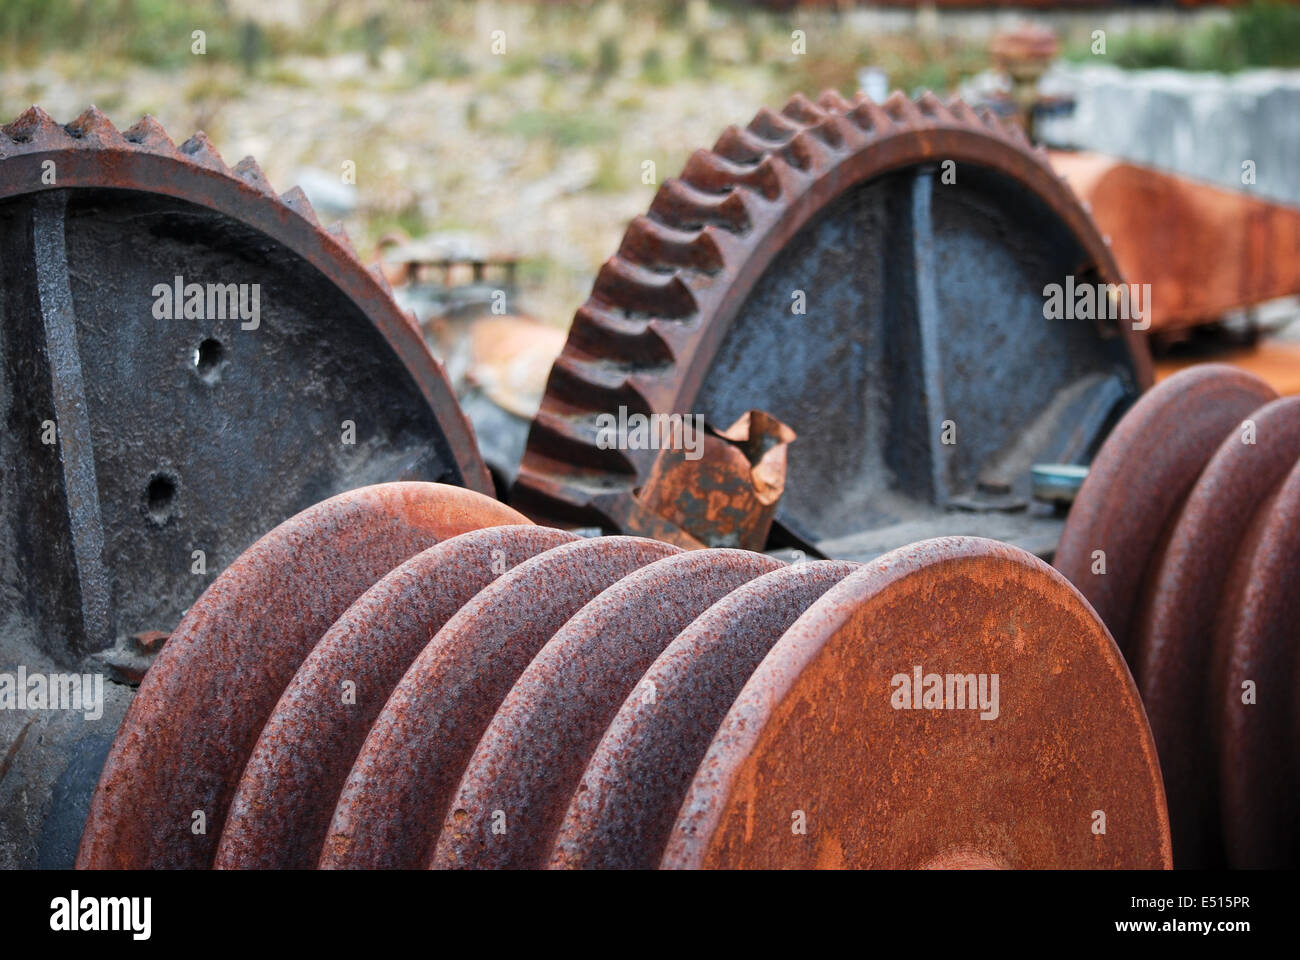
[1253,686]
[623,810]
[851,747]
[291,783]
[170,775]
[1139,479]
[517,785]
[1176,632]
[393,802]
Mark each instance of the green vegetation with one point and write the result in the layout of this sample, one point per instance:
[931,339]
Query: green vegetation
[1263,33]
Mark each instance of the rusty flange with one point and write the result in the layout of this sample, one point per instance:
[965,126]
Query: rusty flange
[831,757]
[179,334]
[1139,480]
[624,807]
[392,806]
[1183,595]
[1253,689]
[170,776]
[820,265]
[292,781]
[518,783]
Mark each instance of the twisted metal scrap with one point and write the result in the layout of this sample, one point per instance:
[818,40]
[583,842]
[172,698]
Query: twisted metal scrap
[662,304]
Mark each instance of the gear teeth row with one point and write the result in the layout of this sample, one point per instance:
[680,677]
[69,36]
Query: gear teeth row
[36,131]
[689,208]
[1185,538]
[526,698]
[675,263]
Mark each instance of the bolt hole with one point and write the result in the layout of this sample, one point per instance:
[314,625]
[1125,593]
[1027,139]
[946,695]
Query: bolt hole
[160,498]
[208,357]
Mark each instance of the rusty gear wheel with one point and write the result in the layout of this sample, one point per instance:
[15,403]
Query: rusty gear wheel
[141,430]
[865,273]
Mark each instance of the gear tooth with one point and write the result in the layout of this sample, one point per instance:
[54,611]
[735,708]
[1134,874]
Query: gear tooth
[249,171]
[200,150]
[707,171]
[150,135]
[599,330]
[34,128]
[642,290]
[340,234]
[297,201]
[931,106]
[832,101]
[869,115]
[649,242]
[740,146]
[804,151]
[680,205]
[376,270]
[962,112]
[990,120]
[772,126]
[93,125]
[802,110]
[828,130]
[901,108]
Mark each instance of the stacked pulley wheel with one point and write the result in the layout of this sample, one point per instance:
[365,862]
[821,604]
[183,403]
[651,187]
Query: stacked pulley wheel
[1185,538]
[412,675]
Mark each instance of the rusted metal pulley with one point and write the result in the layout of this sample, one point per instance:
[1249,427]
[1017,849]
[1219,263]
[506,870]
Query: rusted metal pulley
[875,277]
[400,680]
[190,731]
[1184,539]
[955,704]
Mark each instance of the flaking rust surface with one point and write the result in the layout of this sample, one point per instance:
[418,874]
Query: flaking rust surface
[1140,478]
[1255,640]
[186,736]
[392,805]
[623,810]
[292,781]
[533,753]
[1176,632]
[814,731]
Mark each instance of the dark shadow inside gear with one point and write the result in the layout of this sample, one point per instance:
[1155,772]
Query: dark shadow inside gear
[924,305]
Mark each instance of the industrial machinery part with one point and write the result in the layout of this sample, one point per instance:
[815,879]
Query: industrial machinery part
[1185,538]
[1204,250]
[402,681]
[188,359]
[875,277]
[189,732]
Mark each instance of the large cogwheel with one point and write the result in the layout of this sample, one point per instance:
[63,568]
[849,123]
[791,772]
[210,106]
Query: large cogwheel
[875,276]
[188,359]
